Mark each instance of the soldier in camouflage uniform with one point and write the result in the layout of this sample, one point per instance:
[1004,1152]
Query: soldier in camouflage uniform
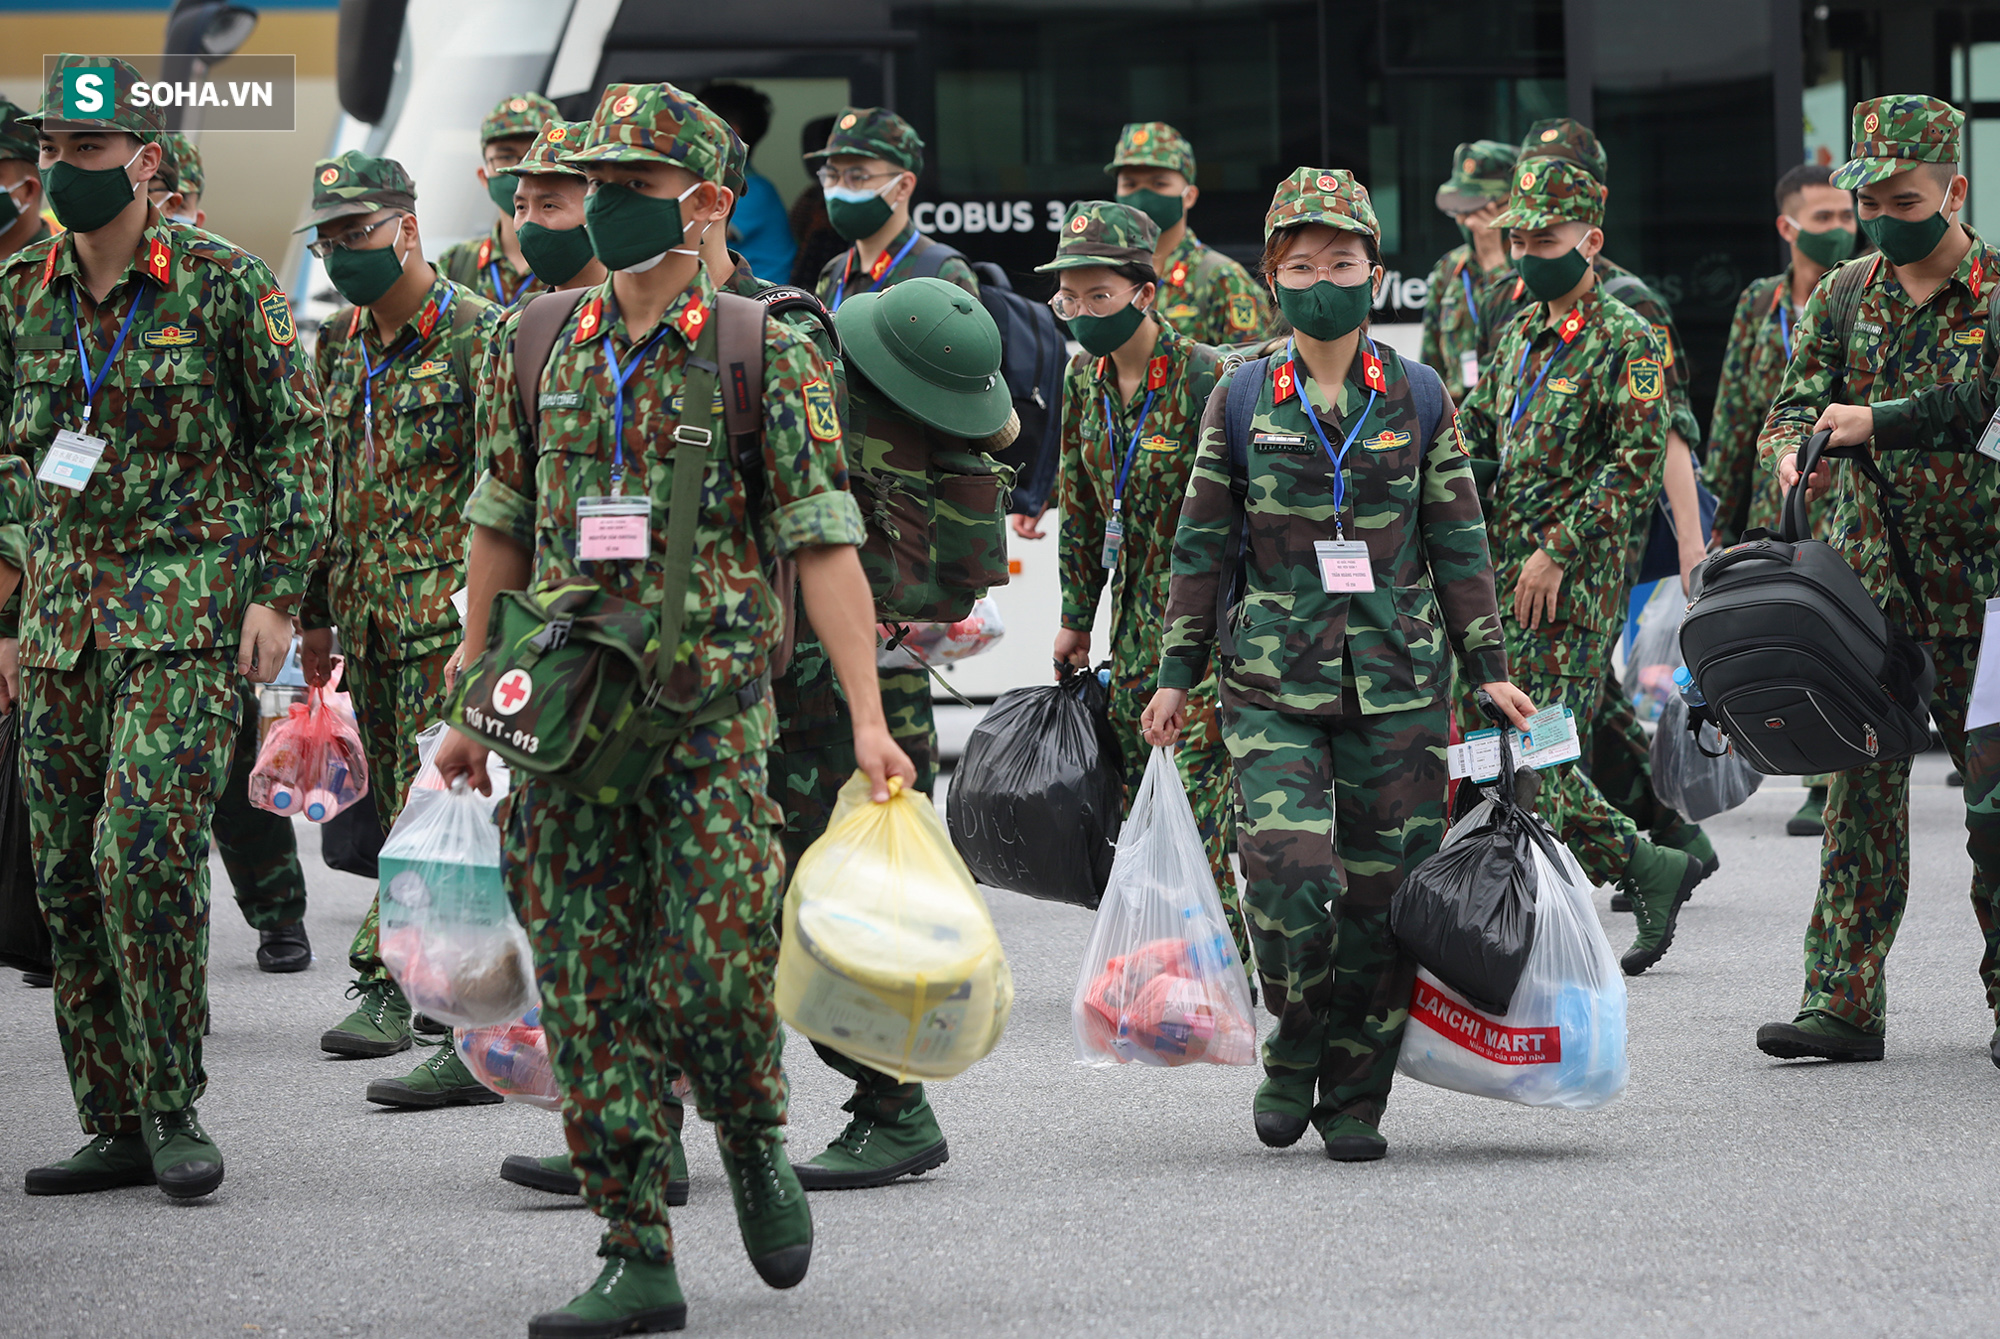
[493,266]
[655,924]
[1204,294]
[1470,286]
[187,401]
[548,215]
[1131,409]
[1571,420]
[1335,695]
[1914,366]
[176,190]
[21,195]
[400,373]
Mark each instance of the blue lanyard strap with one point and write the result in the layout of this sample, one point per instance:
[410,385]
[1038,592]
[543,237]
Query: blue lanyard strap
[372,370]
[500,289]
[1521,402]
[840,294]
[1465,277]
[619,376]
[1124,470]
[1785,329]
[93,380]
[1312,417]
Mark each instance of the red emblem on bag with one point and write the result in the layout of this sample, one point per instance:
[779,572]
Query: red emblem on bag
[512,692]
[1372,375]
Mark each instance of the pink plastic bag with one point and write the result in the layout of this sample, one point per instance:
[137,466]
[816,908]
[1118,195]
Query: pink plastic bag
[311,761]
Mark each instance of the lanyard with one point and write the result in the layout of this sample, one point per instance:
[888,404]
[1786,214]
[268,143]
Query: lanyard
[373,370]
[887,270]
[1521,404]
[1785,329]
[92,381]
[619,376]
[500,289]
[1125,470]
[1465,277]
[1312,417]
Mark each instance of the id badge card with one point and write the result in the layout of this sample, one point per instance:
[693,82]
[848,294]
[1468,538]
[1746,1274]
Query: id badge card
[612,528]
[1343,566]
[1114,539]
[71,460]
[1468,368]
[1989,441]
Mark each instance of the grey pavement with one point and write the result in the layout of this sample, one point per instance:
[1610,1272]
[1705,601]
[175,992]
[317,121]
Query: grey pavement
[1725,1194]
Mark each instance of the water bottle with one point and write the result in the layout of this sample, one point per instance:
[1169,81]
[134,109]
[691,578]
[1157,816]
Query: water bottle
[1690,690]
[321,804]
[284,799]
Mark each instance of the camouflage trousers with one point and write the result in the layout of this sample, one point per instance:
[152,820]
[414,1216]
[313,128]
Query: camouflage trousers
[655,930]
[1864,879]
[393,701]
[122,759]
[1335,812]
[257,846]
[1621,765]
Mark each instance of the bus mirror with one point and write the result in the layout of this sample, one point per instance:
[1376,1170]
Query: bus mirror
[370,32]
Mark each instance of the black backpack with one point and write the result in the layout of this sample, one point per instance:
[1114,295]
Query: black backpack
[1032,354]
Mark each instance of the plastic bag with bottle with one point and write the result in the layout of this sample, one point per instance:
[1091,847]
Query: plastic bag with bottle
[311,763]
[512,1059]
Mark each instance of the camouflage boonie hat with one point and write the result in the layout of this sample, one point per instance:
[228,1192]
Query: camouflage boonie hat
[1561,137]
[548,155]
[18,136]
[652,123]
[1103,232]
[180,164]
[1552,190]
[873,132]
[1328,195]
[1153,144]
[521,114]
[1482,173]
[144,121]
[355,184]
[1896,133]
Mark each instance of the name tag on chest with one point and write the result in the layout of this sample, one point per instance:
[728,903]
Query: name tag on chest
[71,460]
[1280,442]
[612,528]
[1344,567]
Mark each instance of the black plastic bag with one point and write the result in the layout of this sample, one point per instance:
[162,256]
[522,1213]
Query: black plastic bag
[1467,914]
[1036,802]
[352,838]
[24,935]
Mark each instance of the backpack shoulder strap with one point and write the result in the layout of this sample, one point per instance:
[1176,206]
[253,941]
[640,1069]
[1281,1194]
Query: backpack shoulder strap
[1843,305]
[534,340]
[930,256]
[740,347]
[1620,284]
[1427,389]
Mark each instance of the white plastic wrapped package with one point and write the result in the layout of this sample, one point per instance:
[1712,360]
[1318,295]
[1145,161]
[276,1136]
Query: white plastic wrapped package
[1162,983]
[449,936]
[1656,650]
[1688,780]
[940,643]
[1561,1042]
[512,1059]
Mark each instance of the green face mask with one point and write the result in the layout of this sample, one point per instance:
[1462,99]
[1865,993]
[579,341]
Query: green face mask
[630,231]
[9,210]
[1900,241]
[857,214]
[555,255]
[500,188]
[1826,249]
[1549,277]
[1326,310]
[362,277]
[1165,210]
[85,201]
[1101,335]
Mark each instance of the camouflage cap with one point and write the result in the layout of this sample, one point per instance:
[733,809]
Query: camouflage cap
[18,136]
[521,114]
[355,184]
[1561,137]
[1896,133]
[180,164]
[652,123]
[1153,144]
[1103,232]
[735,176]
[874,132]
[1552,190]
[107,108]
[547,156]
[1482,173]
[1328,195]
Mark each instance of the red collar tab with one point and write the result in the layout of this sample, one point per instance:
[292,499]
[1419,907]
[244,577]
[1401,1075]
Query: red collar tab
[49,265]
[1372,375]
[1102,365]
[354,323]
[881,265]
[1520,287]
[1283,386]
[1156,372]
[1572,323]
[160,263]
[1977,277]
[692,318]
[428,321]
[1177,276]
[485,253]
[588,320]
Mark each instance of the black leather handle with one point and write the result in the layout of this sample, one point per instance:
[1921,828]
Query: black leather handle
[1797,524]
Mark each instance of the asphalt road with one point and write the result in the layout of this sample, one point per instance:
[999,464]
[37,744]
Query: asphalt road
[1725,1194]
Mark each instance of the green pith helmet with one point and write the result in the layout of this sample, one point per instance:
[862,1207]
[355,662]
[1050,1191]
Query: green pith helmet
[931,348]
[1103,232]
[1895,134]
[1481,173]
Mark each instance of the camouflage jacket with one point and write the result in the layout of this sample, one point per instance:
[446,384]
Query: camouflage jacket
[534,479]
[1618,282]
[1761,335]
[1210,298]
[211,492]
[398,543]
[1414,505]
[844,275]
[1580,457]
[1906,354]
[481,265]
[1464,311]
[1177,385]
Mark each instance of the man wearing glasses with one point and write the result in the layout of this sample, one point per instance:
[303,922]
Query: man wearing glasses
[868,170]
[399,370]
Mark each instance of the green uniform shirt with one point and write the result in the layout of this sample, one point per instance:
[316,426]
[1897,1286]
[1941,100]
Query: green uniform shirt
[482,266]
[1580,457]
[398,542]
[1618,282]
[1209,297]
[211,491]
[1465,309]
[845,275]
[1413,505]
[1761,335]
[1899,349]
[533,482]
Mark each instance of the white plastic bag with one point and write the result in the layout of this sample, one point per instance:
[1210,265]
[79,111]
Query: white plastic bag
[1162,983]
[512,1059]
[1561,1042]
[449,936]
[1656,650]
[940,643]
[1689,781]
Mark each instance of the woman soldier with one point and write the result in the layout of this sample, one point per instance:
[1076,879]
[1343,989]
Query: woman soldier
[1131,404]
[1337,491]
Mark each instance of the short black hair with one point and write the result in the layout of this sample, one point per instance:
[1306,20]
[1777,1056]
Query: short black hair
[1800,177]
[814,134]
[746,108]
[1135,273]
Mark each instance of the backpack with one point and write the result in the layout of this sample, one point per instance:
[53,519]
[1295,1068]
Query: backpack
[1426,389]
[1796,661]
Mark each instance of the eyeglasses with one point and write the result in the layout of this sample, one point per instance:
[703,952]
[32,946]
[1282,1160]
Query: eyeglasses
[1068,308]
[348,240]
[854,178]
[1304,274]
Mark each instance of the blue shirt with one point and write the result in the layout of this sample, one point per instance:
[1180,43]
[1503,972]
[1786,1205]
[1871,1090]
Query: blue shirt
[762,232]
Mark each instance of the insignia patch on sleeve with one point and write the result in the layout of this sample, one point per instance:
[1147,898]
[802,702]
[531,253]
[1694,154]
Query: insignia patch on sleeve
[1242,311]
[1645,379]
[821,420]
[277,312]
[1663,337]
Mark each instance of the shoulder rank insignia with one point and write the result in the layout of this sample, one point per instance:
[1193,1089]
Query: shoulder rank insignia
[49,264]
[588,320]
[277,312]
[159,261]
[1520,287]
[1242,311]
[821,420]
[428,368]
[1645,378]
[485,256]
[1977,278]
[1386,440]
[1563,386]
[1156,372]
[167,337]
[692,318]
[880,265]
[1372,375]
[1973,337]
[1157,443]
[1572,323]
[1283,385]
[1664,337]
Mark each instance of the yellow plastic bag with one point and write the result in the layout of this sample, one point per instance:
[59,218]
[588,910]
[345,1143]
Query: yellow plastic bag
[889,954]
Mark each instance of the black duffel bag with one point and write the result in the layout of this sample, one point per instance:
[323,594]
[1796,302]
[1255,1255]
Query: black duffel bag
[1036,802]
[1796,661]
[24,935]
